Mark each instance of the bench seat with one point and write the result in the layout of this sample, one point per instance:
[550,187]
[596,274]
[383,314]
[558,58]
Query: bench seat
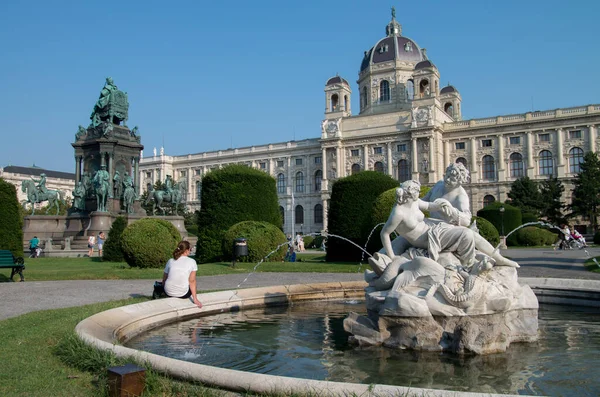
[8,261]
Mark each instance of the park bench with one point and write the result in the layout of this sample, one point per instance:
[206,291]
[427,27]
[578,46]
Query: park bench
[8,260]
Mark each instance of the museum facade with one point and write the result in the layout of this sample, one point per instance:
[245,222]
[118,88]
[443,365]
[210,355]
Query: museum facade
[409,127]
[55,180]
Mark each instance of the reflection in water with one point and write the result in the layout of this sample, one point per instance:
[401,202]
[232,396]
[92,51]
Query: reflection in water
[308,341]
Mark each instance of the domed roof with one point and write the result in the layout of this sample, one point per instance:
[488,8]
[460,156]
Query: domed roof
[424,64]
[337,80]
[393,47]
[448,89]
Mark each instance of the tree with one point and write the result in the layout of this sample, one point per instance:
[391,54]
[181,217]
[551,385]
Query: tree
[586,193]
[551,191]
[525,194]
[11,226]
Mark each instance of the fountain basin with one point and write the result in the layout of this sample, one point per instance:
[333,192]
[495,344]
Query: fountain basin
[108,329]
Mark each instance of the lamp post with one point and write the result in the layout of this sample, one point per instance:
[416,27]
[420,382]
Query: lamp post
[503,239]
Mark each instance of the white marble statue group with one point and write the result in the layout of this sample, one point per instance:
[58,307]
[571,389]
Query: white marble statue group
[439,268]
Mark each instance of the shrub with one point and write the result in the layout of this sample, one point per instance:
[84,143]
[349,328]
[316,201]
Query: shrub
[527,217]
[511,219]
[113,247]
[11,227]
[308,241]
[352,200]
[261,237]
[534,236]
[487,230]
[316,242]
[149,242]
[231,195]
[597,238]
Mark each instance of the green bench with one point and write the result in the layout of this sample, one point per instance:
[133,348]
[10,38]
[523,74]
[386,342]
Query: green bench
[7,260]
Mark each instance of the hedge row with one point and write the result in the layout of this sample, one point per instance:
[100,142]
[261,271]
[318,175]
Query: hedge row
[11,226]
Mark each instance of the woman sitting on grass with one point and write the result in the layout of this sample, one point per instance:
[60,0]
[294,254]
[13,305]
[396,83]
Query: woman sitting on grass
[179,278]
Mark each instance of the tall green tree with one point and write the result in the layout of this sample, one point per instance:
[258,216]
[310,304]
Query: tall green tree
[551,191]
[586,192]
[11,225]
[525,194]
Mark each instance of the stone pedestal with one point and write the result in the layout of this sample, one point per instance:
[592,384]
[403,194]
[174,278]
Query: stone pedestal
[99,222]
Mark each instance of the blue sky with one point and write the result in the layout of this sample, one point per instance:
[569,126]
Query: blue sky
[209,75]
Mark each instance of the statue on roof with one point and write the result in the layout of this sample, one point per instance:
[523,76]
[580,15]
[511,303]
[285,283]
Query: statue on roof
[112,105]
[393,12]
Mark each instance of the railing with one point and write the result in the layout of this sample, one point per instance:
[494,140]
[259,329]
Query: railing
[516,118]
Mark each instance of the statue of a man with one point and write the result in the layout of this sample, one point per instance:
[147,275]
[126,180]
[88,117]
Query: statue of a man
[41,186]
[128,192]
[87,183]
[102,178]
[79,197]
[169,185]
[107,90]
[80,133]
[117,184]
[457,211]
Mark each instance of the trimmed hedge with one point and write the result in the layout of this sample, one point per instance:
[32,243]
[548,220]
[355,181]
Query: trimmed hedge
[512,217]
[231,195]
[149,242]
[352,200]
[597,238]
[261,237]
[113,247]
[527,217]
[11,226]
[533,236]
[487,230]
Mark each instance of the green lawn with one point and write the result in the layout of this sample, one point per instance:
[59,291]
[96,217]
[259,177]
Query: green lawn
[41,356]
[592,266]
[47,269]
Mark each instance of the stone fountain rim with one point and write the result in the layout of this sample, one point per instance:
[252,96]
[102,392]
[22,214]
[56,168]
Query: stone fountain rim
[109,329]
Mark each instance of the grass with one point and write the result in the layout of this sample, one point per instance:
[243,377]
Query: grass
[591,266]
[42,356]
[50,269]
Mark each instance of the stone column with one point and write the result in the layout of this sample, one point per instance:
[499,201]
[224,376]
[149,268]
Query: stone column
[592,132]
[325,224]
[432,167]
[530,163]
[77,169]
[446,154]
[473,166]
[324,170]
[366,157]
[102,159]
[560,168]
[136,175]
[501,165]
[413,159]
[110,172]
[189,184]
[289,172]
[338,160]
[390,169]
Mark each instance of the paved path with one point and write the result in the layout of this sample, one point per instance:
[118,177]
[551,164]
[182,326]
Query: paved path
[20,298]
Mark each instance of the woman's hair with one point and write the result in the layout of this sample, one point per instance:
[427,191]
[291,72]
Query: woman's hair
[182,246]
[407,189]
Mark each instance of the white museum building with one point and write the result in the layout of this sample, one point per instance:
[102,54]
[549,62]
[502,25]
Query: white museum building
[409,127]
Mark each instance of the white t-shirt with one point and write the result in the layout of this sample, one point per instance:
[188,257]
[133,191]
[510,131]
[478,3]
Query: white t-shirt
[178,279]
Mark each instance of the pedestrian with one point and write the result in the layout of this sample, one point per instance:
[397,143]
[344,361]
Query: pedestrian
[179,278]
[33,247]
[101,239]
[91,243]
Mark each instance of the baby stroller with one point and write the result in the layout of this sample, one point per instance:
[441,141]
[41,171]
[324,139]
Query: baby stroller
[35,252]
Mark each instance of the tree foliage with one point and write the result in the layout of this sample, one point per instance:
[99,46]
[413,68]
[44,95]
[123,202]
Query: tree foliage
[350,213]
[113,247]
[552,190]
[586,192]
[525,194]
[230,195]
[11,226]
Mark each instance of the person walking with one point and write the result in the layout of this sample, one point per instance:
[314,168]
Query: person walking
[179,277]
[91,243]
[101,239]
[33,247]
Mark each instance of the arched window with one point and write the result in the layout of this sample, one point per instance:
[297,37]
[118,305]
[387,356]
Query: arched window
[346,103]
[318,213]
[424,87]
[282,213]
[489,168]
[488,199]
[318,180]
[363,98]
[546,163]
[280,183]
[403,171]
[378,166]
[516,165]
[355,168]
[463,161]
[198,190]
[299,215]
[575,160]
[410,90]
[334,102]
[384,91]
[299,182]
[448,108]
